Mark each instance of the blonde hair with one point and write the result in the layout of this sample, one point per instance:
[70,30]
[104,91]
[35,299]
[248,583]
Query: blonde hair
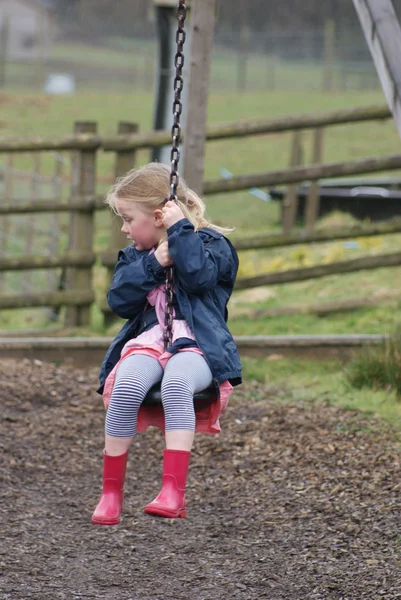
[149,186]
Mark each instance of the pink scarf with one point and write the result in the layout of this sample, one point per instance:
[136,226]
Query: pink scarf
[157,298]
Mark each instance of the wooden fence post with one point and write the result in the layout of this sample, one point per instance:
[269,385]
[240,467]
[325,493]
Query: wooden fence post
[290,201]
[6,221]
[202,27]
[242,63]
[312,202]
[4,42]
[329,55]
[35,195]
[81,226]
[125,160]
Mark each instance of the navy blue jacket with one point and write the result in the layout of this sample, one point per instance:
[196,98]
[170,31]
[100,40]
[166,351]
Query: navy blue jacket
[205,268]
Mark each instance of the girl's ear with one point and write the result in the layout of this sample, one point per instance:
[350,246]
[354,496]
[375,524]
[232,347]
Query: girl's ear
[158,214]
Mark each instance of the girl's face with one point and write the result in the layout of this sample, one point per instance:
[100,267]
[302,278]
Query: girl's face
[144,228]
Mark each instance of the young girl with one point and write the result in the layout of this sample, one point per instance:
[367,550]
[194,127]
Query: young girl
[202,352]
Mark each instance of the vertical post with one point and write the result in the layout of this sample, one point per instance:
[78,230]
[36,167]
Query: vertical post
[4,38]
[313,200]
[5,221]
[40,51]
[244,38]
[54,221]
[271,68]
[81,226]
[202,29]
[382,31]
[55,279]
[344,75]
[272,63]
[35,194]
[329,52]
[290,201]
[125,161]
[148,73]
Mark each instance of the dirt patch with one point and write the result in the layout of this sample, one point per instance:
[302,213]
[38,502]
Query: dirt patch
[288,503]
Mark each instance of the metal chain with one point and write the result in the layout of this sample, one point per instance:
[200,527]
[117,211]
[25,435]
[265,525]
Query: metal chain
[175,155]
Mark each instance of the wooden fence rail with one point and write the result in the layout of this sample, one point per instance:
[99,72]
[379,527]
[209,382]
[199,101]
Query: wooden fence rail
[75,204]
[392,259]
[244,182]
[235,129]
[26,263]
[308,173]
[334,233]
[91,350]
[73,298]
[76,287]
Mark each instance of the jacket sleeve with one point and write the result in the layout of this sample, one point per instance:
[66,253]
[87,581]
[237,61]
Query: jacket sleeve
[133,279]
[199,266]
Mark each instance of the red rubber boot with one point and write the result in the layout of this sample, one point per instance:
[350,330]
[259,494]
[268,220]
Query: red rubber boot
[108,511]
[170,502]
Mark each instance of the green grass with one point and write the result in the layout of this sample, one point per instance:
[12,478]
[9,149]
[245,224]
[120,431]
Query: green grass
[298,380]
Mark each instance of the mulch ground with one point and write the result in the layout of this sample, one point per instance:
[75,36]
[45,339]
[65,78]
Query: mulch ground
[288,503]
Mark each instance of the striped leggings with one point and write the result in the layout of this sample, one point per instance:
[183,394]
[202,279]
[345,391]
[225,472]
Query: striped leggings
[186,373]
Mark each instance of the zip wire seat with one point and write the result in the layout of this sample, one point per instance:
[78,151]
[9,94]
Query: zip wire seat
[201,399]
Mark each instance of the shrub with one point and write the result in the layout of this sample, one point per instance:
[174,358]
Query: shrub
[378,367]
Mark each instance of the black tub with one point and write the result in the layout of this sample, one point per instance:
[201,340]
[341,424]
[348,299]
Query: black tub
[375,200]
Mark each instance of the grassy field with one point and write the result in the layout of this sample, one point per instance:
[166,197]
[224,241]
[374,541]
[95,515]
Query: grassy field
[39,115]
[305,380]
[125,64]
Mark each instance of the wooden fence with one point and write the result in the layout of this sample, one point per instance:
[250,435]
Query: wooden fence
[78,261]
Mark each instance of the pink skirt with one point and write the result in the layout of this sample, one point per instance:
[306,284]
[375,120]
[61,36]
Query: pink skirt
[150,343]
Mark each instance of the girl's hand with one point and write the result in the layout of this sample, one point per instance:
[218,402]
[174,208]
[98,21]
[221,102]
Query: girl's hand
[171,214]
[162,255]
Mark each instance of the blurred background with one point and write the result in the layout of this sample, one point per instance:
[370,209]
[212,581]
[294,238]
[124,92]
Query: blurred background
[260,44]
